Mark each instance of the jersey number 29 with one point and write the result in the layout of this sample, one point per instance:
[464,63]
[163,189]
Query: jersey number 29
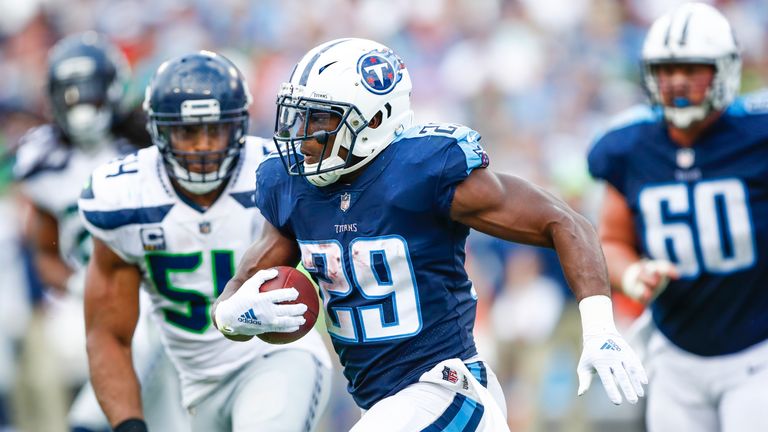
[382,273]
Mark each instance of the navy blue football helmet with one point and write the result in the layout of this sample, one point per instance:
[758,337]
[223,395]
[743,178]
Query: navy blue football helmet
[194,92]
[87,76]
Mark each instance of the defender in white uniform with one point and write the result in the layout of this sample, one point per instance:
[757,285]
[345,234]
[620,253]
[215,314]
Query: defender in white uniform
[85,81]
[176,218]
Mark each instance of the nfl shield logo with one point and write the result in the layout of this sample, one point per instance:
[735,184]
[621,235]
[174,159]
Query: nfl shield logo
[685,158]
[450,375]
[345,198]
[205,227]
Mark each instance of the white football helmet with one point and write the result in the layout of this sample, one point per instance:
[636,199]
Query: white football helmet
[693,33]
[351,80]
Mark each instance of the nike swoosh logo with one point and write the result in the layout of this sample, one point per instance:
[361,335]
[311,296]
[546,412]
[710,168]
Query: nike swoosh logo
[323,68]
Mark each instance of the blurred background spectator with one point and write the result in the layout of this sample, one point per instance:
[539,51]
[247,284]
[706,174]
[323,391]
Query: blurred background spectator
[537,78]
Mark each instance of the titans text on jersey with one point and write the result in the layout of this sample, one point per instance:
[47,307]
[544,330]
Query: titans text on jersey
[704,208]
[386,255]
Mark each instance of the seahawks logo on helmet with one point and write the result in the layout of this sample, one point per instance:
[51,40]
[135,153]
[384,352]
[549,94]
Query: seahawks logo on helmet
[380,71]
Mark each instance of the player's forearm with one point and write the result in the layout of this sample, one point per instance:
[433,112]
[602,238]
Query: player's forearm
[52,270]
[113,377]
[581,257]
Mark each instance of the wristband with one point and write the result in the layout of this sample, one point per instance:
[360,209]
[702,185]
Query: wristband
[132,425]
[597,315]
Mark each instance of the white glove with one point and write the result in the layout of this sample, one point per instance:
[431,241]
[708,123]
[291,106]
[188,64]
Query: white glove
[607,354]
[646,279]
[250,312]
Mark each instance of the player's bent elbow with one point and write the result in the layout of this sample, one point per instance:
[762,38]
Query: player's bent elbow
[99,340]
[565,220]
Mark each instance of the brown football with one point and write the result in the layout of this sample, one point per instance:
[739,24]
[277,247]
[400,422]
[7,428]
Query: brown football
[288,277]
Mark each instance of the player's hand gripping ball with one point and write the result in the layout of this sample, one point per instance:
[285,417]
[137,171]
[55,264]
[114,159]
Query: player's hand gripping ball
[288,277]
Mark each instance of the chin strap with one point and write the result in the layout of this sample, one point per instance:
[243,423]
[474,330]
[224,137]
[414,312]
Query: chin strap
[327,178]
[194,182]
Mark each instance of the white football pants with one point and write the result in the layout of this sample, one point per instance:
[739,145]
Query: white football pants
[284,391]
[687,392]
[448,397]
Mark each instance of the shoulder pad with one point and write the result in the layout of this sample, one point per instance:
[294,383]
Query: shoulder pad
[40,149]
[454,130]
[632,116]
[753,103]
[267,146]
[125,191]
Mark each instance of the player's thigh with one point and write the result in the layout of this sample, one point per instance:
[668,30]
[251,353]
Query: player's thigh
[285,391]
[411,409]
[674,405]
[448,397]
[745,407]
[213,413]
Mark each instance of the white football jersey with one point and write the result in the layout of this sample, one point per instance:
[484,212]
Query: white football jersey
[186,256]
[51,174]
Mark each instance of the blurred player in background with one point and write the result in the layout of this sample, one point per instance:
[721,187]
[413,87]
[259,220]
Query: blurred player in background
[175,218]
[684,225]
[86,79]
[378,210]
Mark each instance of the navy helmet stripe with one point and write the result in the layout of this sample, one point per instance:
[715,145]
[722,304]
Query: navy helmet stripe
[296,66]
[462,415]
[684,34]
[313,60]
[118,218]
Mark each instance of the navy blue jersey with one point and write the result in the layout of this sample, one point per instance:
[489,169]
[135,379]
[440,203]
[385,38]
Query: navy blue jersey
[704,208]
[387,257]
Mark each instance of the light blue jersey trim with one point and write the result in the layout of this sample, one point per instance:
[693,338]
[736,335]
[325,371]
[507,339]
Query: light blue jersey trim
[467,139]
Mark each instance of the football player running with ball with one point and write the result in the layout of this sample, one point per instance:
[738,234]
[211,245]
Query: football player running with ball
[175,218]
[684,225]
[378,209]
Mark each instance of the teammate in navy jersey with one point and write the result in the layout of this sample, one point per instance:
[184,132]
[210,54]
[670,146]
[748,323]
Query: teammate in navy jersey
[378,211]
[684,225]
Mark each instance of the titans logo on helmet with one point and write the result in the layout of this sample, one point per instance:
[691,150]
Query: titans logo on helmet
[380,70]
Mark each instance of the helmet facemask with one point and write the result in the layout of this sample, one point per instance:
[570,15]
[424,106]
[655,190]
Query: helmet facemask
[85,88]
[197,111]
[720,91]
[334,125]
[200,171]
[693,33]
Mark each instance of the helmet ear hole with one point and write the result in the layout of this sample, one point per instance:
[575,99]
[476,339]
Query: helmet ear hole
[376,121]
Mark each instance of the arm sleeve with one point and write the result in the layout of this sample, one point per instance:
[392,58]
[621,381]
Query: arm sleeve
[269,192]
[460,157]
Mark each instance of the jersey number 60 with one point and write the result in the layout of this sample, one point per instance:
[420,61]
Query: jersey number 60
[707,224]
